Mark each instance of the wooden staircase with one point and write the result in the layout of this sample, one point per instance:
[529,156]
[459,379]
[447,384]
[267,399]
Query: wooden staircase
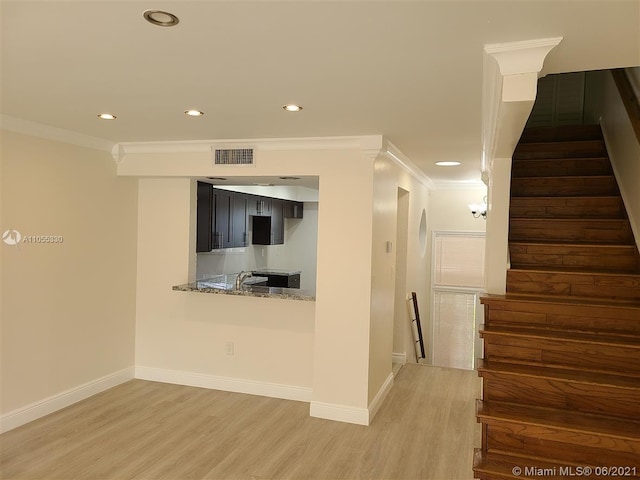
[561,367]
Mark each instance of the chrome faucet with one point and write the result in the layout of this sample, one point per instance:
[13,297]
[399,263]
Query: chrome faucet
[242,276]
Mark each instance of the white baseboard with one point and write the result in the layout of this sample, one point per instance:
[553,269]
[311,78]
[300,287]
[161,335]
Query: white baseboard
[400,358]
[39,409]
[252,387]
[344,413]
[339,413]
[378,400]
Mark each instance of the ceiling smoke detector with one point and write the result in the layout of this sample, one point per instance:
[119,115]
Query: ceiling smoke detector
[161,18]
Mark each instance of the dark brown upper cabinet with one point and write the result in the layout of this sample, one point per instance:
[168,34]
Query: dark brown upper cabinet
[293,209]
[270,230]
[239,220]
[231,219]
[258,206]
[223,215]
[223,231]
[204,217]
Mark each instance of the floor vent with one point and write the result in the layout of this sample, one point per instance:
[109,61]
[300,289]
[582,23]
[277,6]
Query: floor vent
[233,156]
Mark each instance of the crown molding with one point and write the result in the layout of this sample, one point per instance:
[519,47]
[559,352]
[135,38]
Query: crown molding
[508,71]
[40,130]
[458,185]
[205,146]
[525,56]
[392,152]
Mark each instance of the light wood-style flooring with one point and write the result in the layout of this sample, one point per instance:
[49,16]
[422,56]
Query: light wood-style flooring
[426,429]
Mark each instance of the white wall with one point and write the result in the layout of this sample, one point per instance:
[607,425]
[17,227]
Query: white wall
[388,176]
[448,212]
[187,332]
[68,309]
[624,151]
[622,144]
[299,251]
[403,345]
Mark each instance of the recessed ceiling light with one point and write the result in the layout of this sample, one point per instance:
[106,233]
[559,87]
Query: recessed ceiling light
[160,18]
[194,113]
[106,116]
[289,178]
[447,164]
[292,108]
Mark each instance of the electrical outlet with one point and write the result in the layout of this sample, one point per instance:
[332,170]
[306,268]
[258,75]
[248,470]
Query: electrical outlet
[229,348]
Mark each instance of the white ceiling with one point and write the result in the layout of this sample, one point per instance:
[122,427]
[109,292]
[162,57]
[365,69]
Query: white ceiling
[410,70]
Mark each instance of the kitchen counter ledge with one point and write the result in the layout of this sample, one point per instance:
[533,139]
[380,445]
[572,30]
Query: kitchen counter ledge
[207,286]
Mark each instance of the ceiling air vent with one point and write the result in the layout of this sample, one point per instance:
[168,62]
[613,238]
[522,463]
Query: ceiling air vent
[233,156]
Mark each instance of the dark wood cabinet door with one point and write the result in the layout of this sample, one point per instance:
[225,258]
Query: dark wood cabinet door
[277,222]
[293,209]
[239,220]
[223,218]
[205,216]
[259,206]
[223,232]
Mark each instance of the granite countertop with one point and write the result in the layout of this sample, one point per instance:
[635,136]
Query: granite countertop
[226,285]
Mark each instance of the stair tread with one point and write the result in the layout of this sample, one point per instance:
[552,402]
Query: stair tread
[618,340]
[560,300]
[565,420]
[594,141]
[500,465]
[551,243]
[573,270]
[579,148]
[504,465]
[560,133]
[570,219]
[569,197]
[577,270]
[556,246]
[565,177]
[586,157]
[569,376]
